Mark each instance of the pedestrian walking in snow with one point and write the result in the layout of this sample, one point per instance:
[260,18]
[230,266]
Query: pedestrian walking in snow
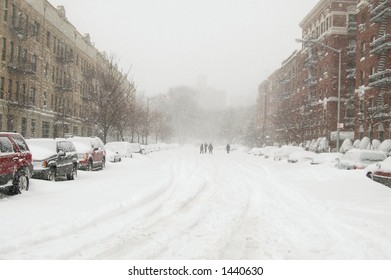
[228,148]
[210,148]
[202,149]
[205,148]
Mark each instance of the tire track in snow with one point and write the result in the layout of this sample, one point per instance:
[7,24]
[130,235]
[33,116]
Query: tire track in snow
[49,233]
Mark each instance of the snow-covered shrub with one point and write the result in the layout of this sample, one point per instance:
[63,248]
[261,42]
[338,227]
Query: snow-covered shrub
[323,145]
[375,144]
[365,143]
[346,146]
[356,144]
[386,146]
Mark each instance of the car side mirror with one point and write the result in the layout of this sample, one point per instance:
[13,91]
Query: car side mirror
[95,148]
[378,165]
[61,153]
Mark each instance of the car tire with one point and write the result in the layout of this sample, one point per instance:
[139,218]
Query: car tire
[370,175]
[89,165]
[103,163]
[21,182]
[52,174]
[71,175]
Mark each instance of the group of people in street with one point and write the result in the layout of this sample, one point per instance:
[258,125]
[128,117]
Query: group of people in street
[204,148]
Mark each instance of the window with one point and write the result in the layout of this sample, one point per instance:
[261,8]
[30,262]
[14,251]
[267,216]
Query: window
[9,89]
[44,99]
[4,49]
[36,30]
[46,71]
[11,51]
[32,130]
[34,62]
[362,78]
[24,98]
[2,81]
[363,49]
[17,91]
[10,122]
[20,142]
[5,15]
[45,129]
[6,145]
[32,96]
[48,35]
[24,127]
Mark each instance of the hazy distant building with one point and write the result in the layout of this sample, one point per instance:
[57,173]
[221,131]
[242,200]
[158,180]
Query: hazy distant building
[210,98]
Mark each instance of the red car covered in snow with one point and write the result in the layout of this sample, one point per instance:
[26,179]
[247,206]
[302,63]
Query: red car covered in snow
[15,163]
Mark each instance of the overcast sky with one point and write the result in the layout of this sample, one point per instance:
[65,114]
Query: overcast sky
[236,44]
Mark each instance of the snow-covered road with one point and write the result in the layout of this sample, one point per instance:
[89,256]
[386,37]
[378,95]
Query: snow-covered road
[179,204]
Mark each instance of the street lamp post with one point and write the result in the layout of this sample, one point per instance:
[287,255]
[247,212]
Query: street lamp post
[147,120]
[339,51]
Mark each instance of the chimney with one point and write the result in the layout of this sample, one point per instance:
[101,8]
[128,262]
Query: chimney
[61,12]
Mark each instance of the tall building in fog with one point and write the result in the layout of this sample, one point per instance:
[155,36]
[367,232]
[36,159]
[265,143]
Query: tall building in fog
[209,97]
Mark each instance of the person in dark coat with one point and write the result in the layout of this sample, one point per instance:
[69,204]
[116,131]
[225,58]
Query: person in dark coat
[205,148]
[202,149]
[210,148]
[228,148]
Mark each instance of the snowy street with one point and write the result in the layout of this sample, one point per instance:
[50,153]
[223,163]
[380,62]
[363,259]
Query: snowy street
[178,204]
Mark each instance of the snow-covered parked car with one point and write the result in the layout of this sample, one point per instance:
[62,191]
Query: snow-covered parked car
[285,151]
[113,156]
[124,149]
[301,156]
[360,159]
[90,155]
[255,151]
[265,150]
[326,158]
[53,158]
[380,172]
[270,151]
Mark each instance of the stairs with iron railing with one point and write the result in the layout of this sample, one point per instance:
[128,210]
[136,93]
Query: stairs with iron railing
[381,14]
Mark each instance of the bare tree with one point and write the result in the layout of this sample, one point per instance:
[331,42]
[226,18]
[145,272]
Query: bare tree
[111,95]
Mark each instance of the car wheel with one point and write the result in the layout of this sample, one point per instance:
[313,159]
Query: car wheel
[89,166]
[21,182]
[370,175]
[52,174]
[103,163]
[71,175]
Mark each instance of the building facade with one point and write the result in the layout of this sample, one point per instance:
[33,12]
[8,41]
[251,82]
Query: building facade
[299,101]
[47,71]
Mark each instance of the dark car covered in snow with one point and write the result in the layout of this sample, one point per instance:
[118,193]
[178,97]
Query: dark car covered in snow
[53,158]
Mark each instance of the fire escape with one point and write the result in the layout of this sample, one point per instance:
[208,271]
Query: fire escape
[19,63]
[381,15]
[381,79]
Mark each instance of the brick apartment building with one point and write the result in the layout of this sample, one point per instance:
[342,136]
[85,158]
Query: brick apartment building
[299,101]
[47,71]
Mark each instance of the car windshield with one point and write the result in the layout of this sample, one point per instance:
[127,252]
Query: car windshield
[47,144]
[42,148]
[372,157]
[84,141]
